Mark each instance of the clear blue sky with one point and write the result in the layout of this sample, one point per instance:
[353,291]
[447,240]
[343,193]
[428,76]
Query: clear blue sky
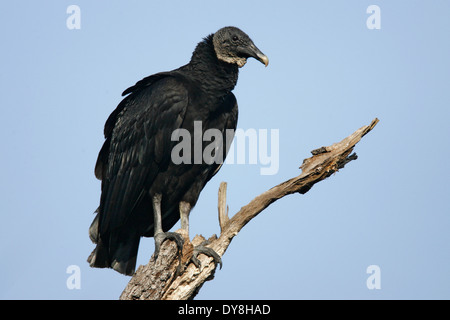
[328,75]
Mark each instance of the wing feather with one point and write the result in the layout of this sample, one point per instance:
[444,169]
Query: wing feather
[139,148]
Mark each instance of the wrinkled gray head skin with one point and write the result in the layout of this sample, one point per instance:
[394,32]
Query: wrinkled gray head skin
[232,45]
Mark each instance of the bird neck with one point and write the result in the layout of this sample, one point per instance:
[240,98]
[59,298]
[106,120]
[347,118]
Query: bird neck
[213,75]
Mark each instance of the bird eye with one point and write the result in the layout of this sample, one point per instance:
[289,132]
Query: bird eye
[235,38]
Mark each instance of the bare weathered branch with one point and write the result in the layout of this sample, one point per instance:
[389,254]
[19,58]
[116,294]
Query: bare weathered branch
[222,206]
[168,280]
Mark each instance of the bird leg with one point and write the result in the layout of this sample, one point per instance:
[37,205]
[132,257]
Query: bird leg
[185,209]
[158,234]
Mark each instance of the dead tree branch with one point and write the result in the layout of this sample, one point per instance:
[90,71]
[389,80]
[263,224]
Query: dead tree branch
[167,279]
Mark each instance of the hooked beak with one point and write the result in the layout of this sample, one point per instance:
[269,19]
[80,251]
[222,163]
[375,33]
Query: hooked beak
[254,52]
[263,58]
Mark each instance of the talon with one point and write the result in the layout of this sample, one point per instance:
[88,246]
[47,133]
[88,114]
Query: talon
[206,251]
[163,236]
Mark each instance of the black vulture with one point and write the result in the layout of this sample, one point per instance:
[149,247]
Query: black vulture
[143,191]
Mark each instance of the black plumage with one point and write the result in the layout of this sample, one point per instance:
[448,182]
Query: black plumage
[139,178]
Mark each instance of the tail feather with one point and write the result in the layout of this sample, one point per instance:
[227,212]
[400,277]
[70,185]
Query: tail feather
[117,250]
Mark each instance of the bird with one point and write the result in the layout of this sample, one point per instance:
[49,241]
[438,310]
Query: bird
[144,193]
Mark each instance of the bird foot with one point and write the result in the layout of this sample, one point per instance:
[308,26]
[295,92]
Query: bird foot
[163,236]
[207,251]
